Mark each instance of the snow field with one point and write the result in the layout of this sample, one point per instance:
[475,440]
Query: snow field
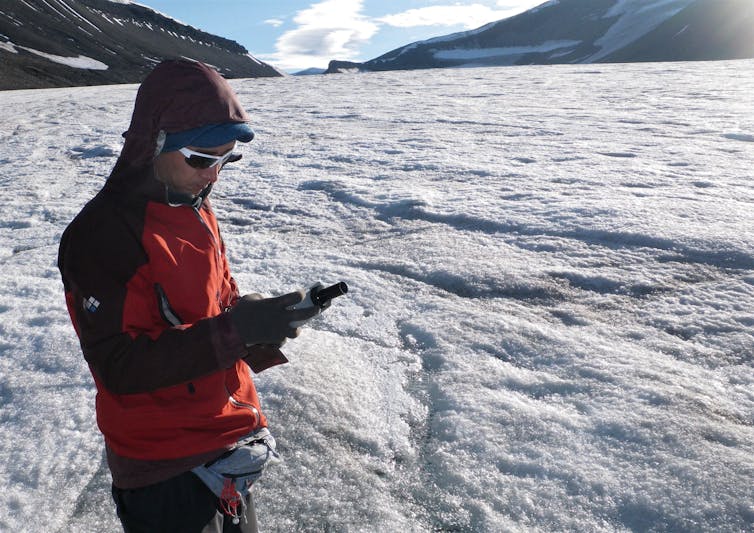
[549,326]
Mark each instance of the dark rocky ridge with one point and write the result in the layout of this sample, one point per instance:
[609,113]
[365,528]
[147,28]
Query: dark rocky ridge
[129,38]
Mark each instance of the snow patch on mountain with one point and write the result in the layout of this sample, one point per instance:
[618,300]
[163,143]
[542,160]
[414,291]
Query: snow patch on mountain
[637,18]
[80,62]
[482,53]
[8,47]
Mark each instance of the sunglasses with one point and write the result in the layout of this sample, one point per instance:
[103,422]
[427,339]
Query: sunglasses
[200,160]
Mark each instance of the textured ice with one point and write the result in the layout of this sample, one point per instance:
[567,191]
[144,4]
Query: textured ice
[551,318]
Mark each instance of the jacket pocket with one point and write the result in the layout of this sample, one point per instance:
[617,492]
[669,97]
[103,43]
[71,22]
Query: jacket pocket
[166,311]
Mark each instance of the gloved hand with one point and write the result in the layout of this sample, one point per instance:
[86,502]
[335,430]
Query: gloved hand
[268,320]
[307,303]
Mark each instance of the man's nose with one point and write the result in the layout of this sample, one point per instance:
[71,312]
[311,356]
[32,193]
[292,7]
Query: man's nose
[211,174]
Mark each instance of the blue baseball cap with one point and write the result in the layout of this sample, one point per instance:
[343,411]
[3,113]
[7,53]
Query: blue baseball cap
[209,136]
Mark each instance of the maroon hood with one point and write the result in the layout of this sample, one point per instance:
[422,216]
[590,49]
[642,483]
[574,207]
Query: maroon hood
[177,95]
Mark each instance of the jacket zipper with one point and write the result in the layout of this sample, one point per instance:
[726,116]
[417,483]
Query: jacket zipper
[244,405]
[215,245]
[231,399]
[209,230]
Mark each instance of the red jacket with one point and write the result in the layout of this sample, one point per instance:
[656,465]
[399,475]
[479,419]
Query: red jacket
[147,285]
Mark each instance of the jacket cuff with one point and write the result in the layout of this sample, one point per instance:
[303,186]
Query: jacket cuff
[227,342]
[263,356]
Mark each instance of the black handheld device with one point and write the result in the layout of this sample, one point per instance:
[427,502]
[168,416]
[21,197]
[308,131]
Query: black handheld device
[322,296]
[319,296]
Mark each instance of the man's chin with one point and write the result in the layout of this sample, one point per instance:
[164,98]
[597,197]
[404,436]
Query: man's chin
[198,189]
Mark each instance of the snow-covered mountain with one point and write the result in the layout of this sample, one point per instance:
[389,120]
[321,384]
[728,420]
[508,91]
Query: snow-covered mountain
[58,43]
[575,31]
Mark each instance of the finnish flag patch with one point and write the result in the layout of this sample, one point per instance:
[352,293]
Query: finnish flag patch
[91,304]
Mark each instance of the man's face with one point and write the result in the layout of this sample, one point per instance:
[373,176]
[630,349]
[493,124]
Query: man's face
[173,169]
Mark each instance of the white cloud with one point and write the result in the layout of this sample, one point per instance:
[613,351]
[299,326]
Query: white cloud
[469,16]
[274,22]
[331,29]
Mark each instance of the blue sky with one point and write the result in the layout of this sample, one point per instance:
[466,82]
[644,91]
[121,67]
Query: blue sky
[298,34]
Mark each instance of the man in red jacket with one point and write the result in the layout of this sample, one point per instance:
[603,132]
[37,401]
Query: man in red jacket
[168,338]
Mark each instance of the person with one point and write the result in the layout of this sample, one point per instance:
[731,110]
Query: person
[168,338]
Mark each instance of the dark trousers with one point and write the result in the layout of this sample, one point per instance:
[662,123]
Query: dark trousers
[182,504]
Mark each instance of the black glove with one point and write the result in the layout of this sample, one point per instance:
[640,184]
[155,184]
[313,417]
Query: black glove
[268,320]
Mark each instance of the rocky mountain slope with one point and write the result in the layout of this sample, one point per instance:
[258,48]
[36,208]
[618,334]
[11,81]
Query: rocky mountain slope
[579,31]
[57,43]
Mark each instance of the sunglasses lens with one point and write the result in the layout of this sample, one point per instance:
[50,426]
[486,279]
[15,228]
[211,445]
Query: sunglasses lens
[197,161]
[202,161]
